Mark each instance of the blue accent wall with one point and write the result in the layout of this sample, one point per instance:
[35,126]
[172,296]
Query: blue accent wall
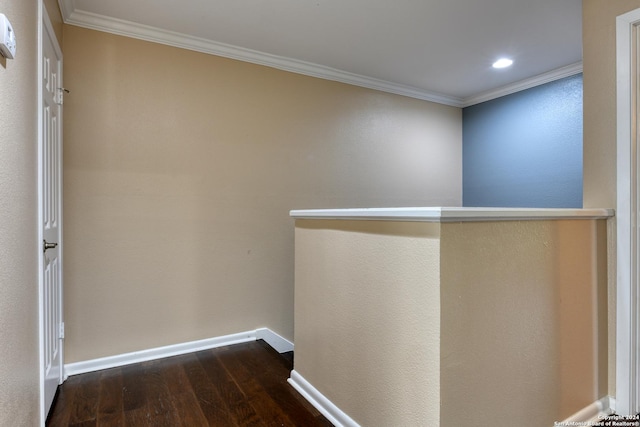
[525,149]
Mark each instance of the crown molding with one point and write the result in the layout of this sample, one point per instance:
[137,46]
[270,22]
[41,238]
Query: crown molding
[538,80]
[66,8]
[121,27]
[80,18]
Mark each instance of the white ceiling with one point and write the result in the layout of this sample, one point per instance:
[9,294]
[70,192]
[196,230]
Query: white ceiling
[441,50]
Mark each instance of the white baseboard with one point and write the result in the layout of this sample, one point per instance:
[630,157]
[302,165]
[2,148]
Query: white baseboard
[592,413]
[320,402]
[280,344]
[273,339]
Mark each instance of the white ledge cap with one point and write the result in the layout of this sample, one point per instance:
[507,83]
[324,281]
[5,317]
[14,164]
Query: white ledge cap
[444,214]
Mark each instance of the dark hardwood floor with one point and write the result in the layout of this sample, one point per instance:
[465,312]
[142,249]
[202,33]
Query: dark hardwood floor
[239,385]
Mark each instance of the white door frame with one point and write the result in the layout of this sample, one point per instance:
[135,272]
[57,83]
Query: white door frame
[44,27]
[627,210]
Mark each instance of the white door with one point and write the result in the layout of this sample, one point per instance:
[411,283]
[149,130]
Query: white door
[50,215]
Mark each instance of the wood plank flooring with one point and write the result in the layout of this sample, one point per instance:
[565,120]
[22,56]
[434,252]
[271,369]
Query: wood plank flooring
[239,385]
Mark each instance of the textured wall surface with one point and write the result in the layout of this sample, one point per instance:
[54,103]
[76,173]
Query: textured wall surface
[53,10]
[525,149]
[448,325]
[524,314]
[368,316]
[181,169]
[599,59]
[600,127]
[19,366]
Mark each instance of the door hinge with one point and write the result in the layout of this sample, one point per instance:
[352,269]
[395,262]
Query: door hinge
[61,334]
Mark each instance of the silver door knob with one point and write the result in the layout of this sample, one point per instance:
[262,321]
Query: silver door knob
[46,245]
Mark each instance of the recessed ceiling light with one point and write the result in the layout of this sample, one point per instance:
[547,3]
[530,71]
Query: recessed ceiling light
[502,63]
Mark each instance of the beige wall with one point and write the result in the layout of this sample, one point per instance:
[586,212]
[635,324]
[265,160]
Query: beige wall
[447,325]
[523,321]
[19,367]
[368,318]
[180,170]
[599,80]
[53,10]
[599,147]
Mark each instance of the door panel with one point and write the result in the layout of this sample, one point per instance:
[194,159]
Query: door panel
[50,215]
